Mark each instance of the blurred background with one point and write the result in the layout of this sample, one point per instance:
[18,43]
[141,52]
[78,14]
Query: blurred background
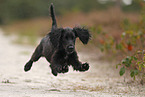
[117,26]
[29,16]
[19,9]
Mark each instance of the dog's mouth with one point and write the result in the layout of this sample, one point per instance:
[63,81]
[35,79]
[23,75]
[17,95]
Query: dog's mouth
[70,52]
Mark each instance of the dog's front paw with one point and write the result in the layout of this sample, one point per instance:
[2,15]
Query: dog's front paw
[65,69]
[54,72]
[28,66]
[59,68]
[84,67]
[56,69]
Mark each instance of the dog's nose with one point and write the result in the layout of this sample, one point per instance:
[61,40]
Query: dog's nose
[71,47]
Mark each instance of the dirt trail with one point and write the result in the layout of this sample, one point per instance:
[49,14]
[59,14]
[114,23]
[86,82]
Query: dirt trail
[101,80]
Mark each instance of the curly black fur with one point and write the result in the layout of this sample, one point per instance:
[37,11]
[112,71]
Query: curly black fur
[58,47]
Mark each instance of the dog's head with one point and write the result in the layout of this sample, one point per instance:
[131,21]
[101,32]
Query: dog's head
[64,38]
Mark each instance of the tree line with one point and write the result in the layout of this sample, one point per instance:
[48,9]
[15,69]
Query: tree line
[11,10]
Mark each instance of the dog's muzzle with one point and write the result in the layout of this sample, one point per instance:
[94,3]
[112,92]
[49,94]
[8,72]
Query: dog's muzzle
[70,49]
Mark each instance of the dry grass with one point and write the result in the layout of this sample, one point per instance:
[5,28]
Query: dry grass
[91,89]
[28,27]
[85,87]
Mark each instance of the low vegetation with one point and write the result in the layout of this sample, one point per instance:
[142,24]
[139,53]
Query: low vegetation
[129,47]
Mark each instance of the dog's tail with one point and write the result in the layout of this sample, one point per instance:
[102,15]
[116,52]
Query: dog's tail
[54,24]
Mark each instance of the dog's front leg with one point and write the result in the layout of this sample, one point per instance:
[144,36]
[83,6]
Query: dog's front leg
[58,68]
[58,63]
[76,64]
[55,68]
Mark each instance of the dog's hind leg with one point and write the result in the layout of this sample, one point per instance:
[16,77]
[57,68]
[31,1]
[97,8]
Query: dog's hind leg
[35,57]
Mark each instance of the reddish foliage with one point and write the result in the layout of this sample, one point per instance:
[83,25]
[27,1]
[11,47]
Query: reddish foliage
[129,47]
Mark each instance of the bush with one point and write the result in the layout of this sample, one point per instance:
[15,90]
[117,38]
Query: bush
[130,44]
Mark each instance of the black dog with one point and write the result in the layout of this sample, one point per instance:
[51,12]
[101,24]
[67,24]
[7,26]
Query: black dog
[58,47]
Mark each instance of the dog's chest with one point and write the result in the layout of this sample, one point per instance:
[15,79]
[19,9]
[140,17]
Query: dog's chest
[65,60]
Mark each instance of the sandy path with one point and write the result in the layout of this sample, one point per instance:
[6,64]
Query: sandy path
[101,80]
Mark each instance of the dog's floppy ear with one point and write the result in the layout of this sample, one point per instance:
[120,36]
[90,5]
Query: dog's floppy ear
[55,36]
[83,34]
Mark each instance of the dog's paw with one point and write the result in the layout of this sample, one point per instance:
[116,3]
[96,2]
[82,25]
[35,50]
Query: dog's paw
[65,69]
[28,66]
[54,72]
[56,69]
[84,67]
[59,68]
